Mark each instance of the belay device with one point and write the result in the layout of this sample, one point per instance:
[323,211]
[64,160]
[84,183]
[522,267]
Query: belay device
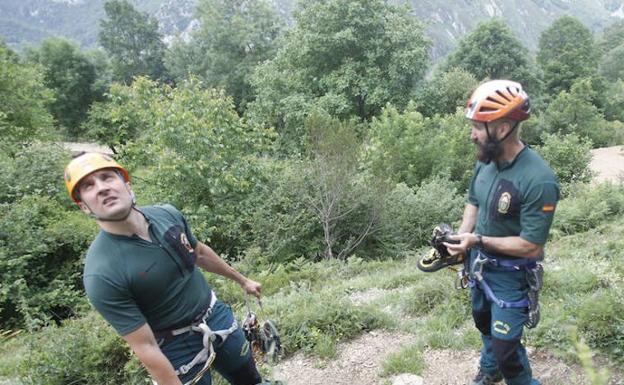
[262,336]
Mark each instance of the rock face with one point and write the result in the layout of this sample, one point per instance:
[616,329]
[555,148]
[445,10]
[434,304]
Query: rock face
[29,21]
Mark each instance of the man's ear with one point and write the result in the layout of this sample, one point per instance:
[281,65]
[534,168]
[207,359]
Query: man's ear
[130,191]
[84,208]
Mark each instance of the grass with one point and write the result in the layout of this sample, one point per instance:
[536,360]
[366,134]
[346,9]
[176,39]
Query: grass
[312,304]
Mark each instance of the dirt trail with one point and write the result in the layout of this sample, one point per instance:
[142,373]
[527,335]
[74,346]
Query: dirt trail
[360,362]
[607,163]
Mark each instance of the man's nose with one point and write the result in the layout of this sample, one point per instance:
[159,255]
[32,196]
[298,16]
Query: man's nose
[101,186]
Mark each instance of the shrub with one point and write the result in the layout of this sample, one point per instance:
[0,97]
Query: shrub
[588,206]
[601,322]
[81,351]
[40,264]
[568,155]
[410,215]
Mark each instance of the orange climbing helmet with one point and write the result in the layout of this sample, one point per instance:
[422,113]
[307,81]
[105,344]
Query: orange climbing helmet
[498,99]
[84,165]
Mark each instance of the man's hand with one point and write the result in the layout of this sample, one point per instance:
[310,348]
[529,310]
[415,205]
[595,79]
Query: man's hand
[466,241]
[252,287]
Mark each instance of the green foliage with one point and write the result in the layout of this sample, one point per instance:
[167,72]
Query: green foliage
[33,170]
[81,351]
[409,215]
[587,207]
[566,53]
[601,321]
[234,37]
[39,264]
[193,151]
[574,112]
[349,58]
[283,225]
[611,66]
[447,91]
[614,101]
[132,40]
[23,111]
[406,147]
[612,36]
[597,377]
[71,75]
[492,51]
[569,157]
[408,360]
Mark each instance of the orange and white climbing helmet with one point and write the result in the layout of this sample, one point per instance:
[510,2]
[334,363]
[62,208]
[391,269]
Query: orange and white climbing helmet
[84,165]
[498,99]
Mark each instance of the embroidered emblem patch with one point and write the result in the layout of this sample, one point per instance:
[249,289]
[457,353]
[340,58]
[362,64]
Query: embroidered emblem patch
[504,203]
[501,327]
[184,240]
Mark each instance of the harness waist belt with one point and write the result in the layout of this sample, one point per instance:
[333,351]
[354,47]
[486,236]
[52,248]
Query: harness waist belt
[167,334]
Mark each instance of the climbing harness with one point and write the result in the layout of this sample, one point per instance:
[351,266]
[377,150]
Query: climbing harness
[207,355]
[439,257]
[534,275]
[263,338]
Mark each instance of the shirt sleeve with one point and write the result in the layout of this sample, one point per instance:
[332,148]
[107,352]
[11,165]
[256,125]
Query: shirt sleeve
[537,212]
[114,303]
[472,195]
[180,218]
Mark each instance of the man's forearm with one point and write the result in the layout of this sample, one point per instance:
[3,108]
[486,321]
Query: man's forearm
[158,366]
[208,260]
[513,246]
[469,219]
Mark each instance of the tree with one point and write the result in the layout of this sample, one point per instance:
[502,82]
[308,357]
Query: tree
[332,188]
[349,58]
[612,64]
[492,51]
[132,40]
[72,76]
[24,116]
[612,36]
[446,91]
[566,53]
[233,38]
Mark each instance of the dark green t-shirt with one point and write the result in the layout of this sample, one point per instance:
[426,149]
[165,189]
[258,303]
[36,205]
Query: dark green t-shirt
[515,199]
[131,281]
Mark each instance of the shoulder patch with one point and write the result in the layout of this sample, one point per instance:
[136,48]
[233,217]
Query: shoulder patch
[548,208]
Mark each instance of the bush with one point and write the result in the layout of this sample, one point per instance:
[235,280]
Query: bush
[588,206]
[410,215]
[601,321]
[35,169]
[81,351]
[568,155]
[40,261]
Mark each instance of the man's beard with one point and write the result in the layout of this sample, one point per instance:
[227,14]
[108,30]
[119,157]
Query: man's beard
[490,151]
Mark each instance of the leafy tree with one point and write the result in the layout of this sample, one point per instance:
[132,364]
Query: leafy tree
[573,112]
[332,184]
[23,111]
[612,36]
[132,40]
[614,101]
[566,53]
[233,38]
[612,64]
[447,91]
[348,58]
[568,155]
[493,51]
[71,75]
[191,149]
[409,148]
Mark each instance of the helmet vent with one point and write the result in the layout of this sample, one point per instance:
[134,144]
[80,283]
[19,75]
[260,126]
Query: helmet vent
[488,109]
[502,95]
[491,99]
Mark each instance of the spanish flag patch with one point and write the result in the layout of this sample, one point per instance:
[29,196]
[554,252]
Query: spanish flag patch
[548,208]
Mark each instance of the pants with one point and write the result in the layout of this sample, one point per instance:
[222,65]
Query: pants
[501,329]
[233,361]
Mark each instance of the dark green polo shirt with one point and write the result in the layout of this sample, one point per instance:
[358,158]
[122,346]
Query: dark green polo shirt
[516,198]
[131,281]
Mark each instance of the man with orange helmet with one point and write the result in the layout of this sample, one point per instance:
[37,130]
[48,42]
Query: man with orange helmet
[510,208]
[141,274]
